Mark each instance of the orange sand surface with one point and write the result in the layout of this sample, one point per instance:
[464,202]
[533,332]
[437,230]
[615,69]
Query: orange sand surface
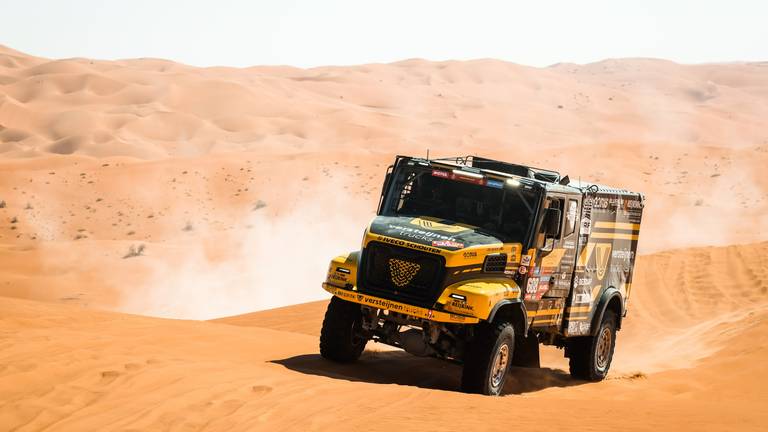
[140,197]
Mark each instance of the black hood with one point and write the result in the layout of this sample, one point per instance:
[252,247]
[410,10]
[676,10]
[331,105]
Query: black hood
[442,234]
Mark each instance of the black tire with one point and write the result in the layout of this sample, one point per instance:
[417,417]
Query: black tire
[590,357]
[341,337]
[487,359]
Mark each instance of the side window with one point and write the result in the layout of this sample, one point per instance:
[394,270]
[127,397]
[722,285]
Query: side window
[554,203]
[405,192]
[571,216]
[558,204]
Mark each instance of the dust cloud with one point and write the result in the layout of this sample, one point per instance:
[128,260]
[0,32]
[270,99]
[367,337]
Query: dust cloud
[271,261]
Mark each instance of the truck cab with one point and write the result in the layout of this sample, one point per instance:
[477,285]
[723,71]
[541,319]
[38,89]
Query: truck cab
[479,261]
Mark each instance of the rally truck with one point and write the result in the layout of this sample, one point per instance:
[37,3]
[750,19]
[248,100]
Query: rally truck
[478,262]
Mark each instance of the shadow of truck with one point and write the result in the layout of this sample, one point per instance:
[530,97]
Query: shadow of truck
[398,367]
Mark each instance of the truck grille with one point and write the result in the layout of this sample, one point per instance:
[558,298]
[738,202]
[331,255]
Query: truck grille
[495,263]
[402,274]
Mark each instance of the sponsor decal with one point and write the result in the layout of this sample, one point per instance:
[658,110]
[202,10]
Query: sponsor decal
[447,243]
[470,254]
[586,226]
[582,298]
[602,255]
[522,269]
[614,202]
[572,212]
[525,260]
[468,177]
[624,254]
[457,304]
[417,234]
[532,286]
[403,243]
[573,327]
[494,184]
[337,278]
[434,225]
[393,306]
[584,281]
[576,328]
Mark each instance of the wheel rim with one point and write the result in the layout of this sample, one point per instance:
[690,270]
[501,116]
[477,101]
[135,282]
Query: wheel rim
[603,353]
[500,365]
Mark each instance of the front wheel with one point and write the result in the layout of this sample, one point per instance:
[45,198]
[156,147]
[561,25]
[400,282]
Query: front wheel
[487,359]
[590,357]
[341,338]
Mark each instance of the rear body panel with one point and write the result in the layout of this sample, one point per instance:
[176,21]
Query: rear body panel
[609,233]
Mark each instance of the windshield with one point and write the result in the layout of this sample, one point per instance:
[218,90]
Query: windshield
[505,211]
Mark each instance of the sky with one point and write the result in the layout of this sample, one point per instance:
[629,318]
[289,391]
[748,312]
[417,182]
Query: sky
[340,32]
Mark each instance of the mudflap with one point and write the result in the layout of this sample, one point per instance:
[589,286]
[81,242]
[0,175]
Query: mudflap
[526,352]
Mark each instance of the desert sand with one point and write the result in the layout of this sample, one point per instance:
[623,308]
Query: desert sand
[139,198]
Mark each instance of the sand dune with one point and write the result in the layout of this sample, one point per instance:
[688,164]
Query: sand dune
[691,136]
[149,187]
[71,369]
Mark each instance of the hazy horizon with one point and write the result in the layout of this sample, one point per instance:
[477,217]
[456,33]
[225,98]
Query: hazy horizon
[340,32]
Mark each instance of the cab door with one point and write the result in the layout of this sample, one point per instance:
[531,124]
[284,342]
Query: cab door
[564,263]
[556,256]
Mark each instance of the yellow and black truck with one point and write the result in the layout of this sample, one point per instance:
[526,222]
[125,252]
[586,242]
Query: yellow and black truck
[479,261]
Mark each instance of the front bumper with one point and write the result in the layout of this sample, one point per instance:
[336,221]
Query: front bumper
[414,311]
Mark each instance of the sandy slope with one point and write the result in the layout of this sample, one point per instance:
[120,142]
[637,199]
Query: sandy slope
[204,168]
[691,136]
[232,187]
[70,369]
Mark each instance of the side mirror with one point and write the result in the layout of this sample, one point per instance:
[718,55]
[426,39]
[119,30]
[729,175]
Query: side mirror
[551,224]
[387,179]
[385,187]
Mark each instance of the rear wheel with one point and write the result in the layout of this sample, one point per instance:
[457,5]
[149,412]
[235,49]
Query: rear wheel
[487,359]
[341,338]
[590,357]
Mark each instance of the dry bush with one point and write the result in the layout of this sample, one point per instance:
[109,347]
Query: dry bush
[135,251]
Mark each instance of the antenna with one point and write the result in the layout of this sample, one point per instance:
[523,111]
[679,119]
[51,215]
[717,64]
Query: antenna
[427,154]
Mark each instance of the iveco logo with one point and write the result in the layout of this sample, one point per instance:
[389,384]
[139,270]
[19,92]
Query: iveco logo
[402,272]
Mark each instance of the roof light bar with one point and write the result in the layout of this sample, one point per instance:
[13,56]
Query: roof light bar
[467,174]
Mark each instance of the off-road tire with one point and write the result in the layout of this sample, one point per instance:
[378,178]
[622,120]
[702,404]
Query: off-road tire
[590,357]
[491,345]
[341,338]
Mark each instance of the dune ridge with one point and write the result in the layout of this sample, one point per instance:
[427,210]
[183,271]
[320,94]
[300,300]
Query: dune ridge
[111,107]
